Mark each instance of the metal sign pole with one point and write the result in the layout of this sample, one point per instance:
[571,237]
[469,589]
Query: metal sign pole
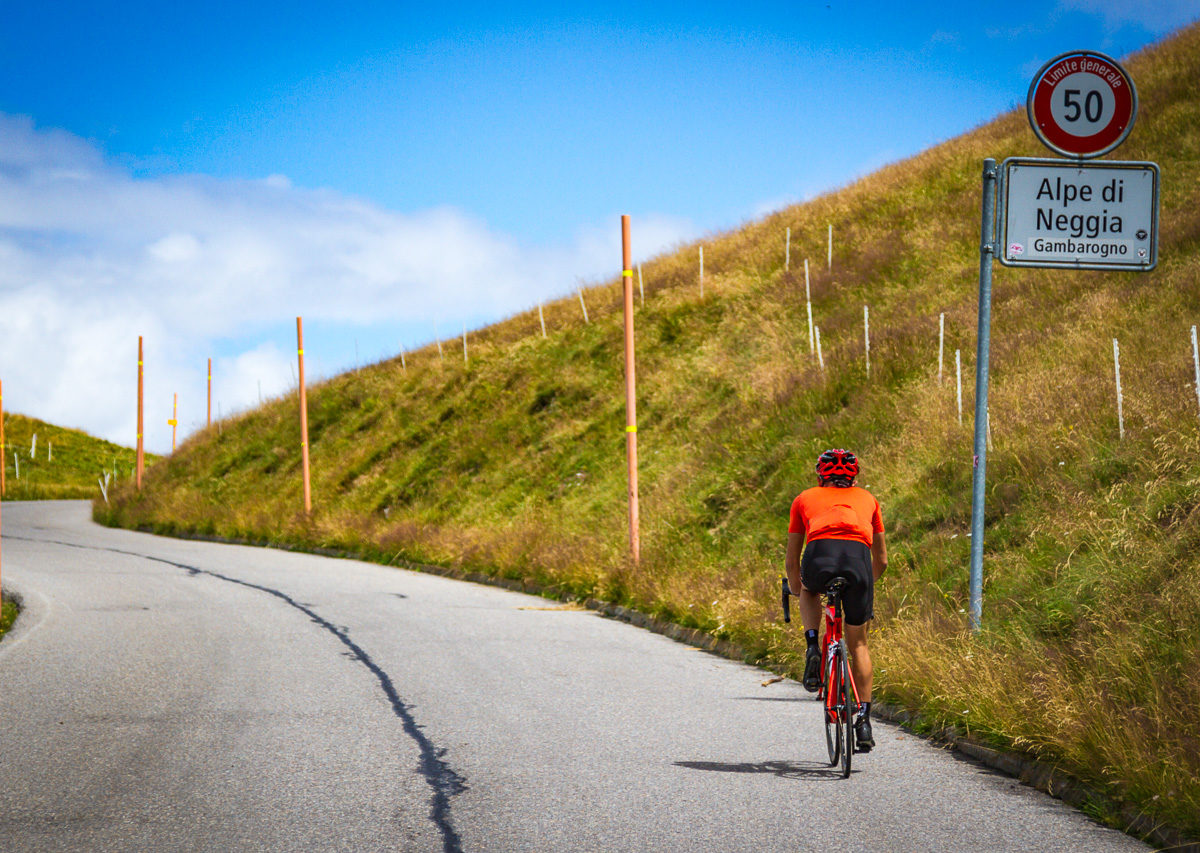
[987,250]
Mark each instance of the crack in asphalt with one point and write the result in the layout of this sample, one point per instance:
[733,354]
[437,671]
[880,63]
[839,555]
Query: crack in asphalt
[440,777]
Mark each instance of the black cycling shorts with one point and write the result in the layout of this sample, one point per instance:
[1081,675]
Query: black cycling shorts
[826,559]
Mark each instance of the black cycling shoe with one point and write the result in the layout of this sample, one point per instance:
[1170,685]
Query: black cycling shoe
[812,669]
[864,740]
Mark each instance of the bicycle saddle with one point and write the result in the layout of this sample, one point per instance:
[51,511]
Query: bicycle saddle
[836,586]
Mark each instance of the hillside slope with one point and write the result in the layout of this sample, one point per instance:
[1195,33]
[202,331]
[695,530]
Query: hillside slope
[62,463]
[514,463]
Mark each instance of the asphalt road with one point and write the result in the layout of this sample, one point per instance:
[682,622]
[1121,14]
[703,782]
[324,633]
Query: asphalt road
[169,695]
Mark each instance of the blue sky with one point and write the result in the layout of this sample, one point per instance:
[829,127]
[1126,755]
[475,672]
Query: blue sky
[203,173]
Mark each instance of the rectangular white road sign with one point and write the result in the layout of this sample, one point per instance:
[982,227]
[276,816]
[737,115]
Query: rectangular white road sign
[1078,215]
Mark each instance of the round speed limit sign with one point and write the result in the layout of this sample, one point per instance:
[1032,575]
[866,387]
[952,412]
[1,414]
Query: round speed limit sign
[1082,104]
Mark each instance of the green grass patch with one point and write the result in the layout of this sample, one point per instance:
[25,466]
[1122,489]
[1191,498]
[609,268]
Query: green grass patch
[8,615]
[47,462]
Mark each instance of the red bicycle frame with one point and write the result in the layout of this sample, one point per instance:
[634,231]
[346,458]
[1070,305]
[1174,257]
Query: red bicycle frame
[829,688]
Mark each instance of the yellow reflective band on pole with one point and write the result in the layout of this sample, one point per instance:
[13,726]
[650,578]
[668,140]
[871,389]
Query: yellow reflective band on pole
[627,273]
[300,352]
[139,364]
[172,422]
[631,428]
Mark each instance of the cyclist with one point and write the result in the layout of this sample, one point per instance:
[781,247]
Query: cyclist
[839,528]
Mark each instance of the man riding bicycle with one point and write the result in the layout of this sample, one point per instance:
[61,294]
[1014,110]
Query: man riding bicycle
[839,528]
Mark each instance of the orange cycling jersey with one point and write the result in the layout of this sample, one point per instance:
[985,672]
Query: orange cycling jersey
[827,512]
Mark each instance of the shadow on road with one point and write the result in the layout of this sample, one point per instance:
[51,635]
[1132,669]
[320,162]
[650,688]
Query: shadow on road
[809,698]
[783,769]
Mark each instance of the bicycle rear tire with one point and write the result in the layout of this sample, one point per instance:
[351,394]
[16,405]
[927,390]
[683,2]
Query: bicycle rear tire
[845,715]
[833,727]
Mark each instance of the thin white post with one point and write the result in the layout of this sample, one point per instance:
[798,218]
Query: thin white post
[583,305]
[33,447]
[641,290]
[958,374]
[1196,364]
[829,251]
[787,252]
[1120,407]
[465,343]
[49,451]
[867,338]
[941,343]
[820,358]
[542,319]
[17,464]
[701,272]
[403,366]
[808,302]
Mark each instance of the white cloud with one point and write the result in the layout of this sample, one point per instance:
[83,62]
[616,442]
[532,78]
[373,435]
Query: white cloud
[91,257]
[1157,17]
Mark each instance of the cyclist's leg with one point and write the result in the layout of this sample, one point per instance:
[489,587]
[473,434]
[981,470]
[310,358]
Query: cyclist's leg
[816,568]
[859,602]
[813,565]
[810,609]
[860,658]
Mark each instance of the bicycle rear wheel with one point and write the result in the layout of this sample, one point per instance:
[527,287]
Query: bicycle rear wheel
[845,716]
[833,728]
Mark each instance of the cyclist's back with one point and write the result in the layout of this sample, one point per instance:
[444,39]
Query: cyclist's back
[836,530]
[839,526]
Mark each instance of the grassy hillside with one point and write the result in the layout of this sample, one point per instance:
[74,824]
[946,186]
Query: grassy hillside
[65,463]
[514,464]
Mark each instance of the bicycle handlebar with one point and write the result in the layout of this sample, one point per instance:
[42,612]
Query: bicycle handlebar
[787,605]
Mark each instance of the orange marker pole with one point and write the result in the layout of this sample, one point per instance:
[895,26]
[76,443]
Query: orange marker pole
[141,459]
[1,467]
[3,464]
[303,417]
[630,392]
[209,421]
[174,422]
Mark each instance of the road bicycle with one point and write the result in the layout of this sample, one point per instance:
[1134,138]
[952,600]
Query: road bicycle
[838,691]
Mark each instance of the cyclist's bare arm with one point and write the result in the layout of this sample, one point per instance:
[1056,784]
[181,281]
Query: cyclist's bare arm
[810,603]
[878,556]
[795,548]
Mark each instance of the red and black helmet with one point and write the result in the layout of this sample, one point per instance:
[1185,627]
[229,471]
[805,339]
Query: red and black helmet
[837,464]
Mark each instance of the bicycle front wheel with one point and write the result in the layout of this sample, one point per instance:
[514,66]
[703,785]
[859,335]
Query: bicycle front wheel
[833,728]
[846,711]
